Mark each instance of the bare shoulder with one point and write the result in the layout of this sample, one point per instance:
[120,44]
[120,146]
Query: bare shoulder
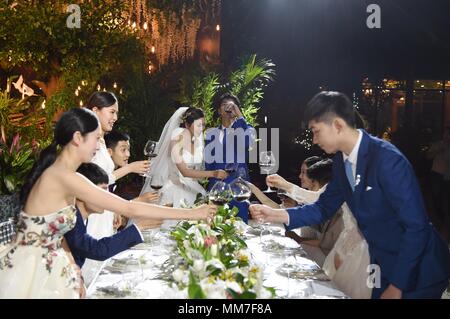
[181,134]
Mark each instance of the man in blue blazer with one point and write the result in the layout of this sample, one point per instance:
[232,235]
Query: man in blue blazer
[379,186]
[229,144]
[82,245]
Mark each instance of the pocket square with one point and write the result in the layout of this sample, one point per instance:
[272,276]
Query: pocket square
[368,188]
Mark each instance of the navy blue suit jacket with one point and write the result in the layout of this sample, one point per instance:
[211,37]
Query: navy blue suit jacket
[388,206]
[232,152]
[83,246]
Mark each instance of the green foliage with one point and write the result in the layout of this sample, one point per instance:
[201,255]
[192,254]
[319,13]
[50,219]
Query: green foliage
[204,92]
[24,116]
[48,49]
[194,289]
[16,160]
[247,83]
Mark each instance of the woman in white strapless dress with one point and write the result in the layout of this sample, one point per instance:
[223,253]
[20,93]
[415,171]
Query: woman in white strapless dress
[180,159]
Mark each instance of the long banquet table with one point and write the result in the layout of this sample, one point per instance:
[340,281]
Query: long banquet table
[136,273]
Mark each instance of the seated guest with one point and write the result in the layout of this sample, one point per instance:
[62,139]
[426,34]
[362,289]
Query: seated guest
[303,195]
[118,146]
[316,176]
[81,244]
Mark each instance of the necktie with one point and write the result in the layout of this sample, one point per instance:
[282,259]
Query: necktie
[349,173]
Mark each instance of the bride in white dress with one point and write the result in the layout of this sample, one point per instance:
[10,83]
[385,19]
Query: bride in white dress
[180,159]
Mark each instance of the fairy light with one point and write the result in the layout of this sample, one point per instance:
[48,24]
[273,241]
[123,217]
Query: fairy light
[99,88]
[81,103]
[134,25]
[150,68]
[121,92]
[153,49]
[84,83]
[104,89]
[218,27]
[145,25]
[79,88]
[305,140]
[77,93]
[115,85]
[43,105]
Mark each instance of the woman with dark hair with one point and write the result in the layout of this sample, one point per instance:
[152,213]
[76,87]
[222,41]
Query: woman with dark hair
[39,264]
[106,107]
[180,157]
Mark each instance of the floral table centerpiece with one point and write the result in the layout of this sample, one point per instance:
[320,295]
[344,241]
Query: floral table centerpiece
[213,260]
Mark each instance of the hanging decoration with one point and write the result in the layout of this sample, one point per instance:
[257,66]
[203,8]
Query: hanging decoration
[170,35]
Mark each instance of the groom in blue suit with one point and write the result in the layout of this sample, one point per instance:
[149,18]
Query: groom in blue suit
[379,186]
[229,144]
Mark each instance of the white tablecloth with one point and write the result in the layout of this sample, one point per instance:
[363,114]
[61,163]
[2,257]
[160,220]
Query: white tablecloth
[136,273]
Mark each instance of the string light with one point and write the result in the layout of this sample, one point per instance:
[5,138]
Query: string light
[99,88]
[218,27]
[134,25]
[145,25]
[150,68]
[81,103]
[305,140]
[115,85]
[43,105]
[120,91]
[76,93]
[104,89]
[83,83]
[153,49]
[79,88]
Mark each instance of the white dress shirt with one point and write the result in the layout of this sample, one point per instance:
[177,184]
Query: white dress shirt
[353,156]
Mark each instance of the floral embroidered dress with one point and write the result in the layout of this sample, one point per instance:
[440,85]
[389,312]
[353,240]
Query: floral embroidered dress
[36,265]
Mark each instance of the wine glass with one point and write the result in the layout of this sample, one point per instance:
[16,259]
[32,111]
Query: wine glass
[267,162]
[220,193]
[240,190]
[157,182]
[149,151]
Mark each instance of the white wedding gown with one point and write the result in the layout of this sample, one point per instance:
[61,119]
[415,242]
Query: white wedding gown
[177,190]
[351,276]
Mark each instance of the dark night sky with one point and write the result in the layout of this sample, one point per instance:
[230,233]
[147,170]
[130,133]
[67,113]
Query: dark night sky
[327,42]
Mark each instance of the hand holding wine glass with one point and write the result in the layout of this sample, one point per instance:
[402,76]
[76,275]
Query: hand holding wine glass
[149,151]
[267,163]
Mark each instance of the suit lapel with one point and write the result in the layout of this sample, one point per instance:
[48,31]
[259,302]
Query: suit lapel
[361,168]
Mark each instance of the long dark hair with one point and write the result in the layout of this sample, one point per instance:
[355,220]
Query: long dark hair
[75,120]
[191,114]
[101,99]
